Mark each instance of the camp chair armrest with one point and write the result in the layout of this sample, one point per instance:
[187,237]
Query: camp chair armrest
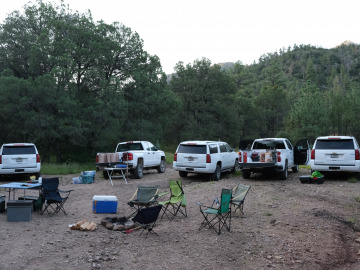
[65,191]
[208,207]
[163,194]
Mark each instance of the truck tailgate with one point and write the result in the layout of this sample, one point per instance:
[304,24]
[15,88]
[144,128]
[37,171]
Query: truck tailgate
[18,161]
[191,160]
[335,157]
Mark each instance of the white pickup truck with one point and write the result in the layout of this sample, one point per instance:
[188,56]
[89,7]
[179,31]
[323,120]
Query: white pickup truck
[272,155]
[136,155]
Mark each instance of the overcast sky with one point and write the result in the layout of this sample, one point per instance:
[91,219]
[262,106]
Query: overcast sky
[223,31]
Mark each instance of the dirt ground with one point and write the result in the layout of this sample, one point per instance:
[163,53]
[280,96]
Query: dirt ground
[287,225]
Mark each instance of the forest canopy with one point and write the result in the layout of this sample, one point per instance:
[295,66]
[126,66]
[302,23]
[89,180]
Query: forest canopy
[75,87]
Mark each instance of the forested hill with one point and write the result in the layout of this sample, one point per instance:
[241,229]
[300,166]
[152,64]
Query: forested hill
[76,87]
[302,91]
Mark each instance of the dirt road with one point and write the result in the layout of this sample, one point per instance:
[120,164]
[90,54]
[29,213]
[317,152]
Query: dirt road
[287,225]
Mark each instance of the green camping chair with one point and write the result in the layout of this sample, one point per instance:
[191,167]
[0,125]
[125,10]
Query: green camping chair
[176,202]
[238,198]
[144,196]
[218,215]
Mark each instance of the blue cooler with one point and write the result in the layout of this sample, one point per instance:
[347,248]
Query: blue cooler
[105,204]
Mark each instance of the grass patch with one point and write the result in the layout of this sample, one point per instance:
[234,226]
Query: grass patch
[353,180]
[66,168]
[357,199]
[305,166]
[268,214]
[237,173]
[169,157]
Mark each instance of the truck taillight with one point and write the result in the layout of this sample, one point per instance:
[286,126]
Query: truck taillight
[313,154]
[127,156]
[0,159]
[175,157]
[357,154]
[37,158]
[240,157]
[208,158]
[278,156]
[97,159]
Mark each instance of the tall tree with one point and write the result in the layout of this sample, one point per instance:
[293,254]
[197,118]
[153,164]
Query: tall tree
[207,108]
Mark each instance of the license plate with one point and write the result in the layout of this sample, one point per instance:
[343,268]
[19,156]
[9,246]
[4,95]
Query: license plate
[19,160]
[190,159]
[334,155]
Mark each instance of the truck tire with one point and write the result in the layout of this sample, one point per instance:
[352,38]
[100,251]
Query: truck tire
[236,167]
[217,174]
[138,173]
[246,174]
[183,174]
[105,175]
[295,169]
[162,167]
[284,173]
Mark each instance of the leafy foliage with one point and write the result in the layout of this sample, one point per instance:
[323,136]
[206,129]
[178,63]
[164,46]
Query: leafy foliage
[75,87]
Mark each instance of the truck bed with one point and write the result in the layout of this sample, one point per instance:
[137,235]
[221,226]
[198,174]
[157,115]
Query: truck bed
[258,158]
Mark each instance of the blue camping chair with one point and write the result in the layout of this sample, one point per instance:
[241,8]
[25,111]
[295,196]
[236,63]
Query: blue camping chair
[53,198]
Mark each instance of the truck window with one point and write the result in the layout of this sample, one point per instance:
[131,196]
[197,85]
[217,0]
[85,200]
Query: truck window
[222,148]
[152,147]
[228,148]
[147,146]
[334,144]
[192,149]
[213,149]
[129,146]
[289,145]
[17,150]
[280,145]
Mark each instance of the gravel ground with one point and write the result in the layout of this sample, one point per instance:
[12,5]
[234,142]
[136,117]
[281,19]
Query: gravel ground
[287,225]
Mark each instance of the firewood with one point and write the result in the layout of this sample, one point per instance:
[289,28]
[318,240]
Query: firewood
[92,226]
[84,226]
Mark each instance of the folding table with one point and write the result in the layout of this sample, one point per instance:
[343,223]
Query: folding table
[110,172]
[13,186]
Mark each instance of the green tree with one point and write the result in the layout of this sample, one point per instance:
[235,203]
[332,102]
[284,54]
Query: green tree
[308,117]
[207,102]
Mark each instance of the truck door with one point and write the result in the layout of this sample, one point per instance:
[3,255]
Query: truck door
[302,152]
[154,157]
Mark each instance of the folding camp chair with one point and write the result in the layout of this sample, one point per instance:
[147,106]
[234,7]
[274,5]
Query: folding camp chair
[176,201]
[144,196]
[238,198]
[218,215]
[51,195]
[146,218]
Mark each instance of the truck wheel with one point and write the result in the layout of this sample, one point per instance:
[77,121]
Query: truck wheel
[236,167]
[105,175]
[183,174]
[295,169]
[246,174]
[217,174]
[284,173]
[162,166]
[139,170]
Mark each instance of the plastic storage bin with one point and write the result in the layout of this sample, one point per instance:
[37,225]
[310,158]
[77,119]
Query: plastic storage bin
[33,199]
[19,210]
[88,177]
[77,180]
[105,204]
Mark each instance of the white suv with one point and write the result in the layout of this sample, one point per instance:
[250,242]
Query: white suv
[335,153]
[209,157]
[19,158]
